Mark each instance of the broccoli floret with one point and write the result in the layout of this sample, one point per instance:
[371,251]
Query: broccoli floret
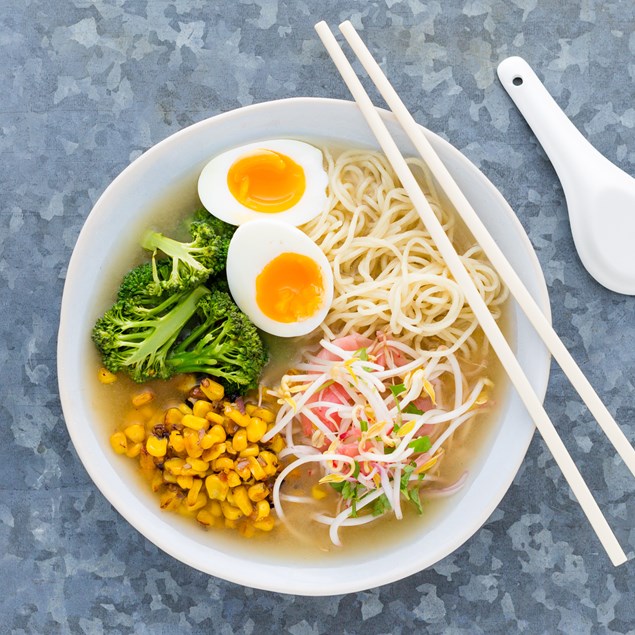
[137,338]
[225,345]
[139,284]
[190,263]
[140,334]
[221,228]
[218,283]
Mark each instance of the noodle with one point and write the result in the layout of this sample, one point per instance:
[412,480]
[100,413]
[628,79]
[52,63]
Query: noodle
[402,366]
[388,273]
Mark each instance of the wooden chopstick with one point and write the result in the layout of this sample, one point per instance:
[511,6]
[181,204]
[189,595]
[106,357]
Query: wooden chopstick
[492,251]
[486,321]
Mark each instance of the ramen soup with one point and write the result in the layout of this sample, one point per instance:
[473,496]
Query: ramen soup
[316,374]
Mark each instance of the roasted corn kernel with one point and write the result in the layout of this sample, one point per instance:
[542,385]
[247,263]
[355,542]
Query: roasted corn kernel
[250,450]
[105,376]
[205,518]
[277,444]
[185,482]
[134,450]
[266,524]
[156,447]
[119,442]
[217,433]
[269,458]
[214,452]
[263,509]
[189,432]
[195,489]
[186,382]
[146,412]
[172,416]
[201,408]
[237,417]
[241,500]
[198,502]
[174,465]
[170,499]
[233,479]
[266,415]
[242,469]
[258,492]
[198,465]
[176,442]
[231,512]
[317,491]
[185,409]
[196,423]
[192,446]
[157,481]
[239,442]
[223,463]
[256,429]
[136,433]
[146,461]
[212,390]
[206,442]
[215,509]
[246,530]
[256,469]
[268,465]
[214,417]
[142,398]
[216,487]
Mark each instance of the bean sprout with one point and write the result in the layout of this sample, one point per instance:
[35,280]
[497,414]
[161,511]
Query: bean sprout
[374,431]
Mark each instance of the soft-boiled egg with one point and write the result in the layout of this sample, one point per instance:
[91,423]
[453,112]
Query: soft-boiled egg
[279,277]
[280,178]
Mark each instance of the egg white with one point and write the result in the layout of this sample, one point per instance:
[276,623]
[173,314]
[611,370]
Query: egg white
[252,247]
[218,200]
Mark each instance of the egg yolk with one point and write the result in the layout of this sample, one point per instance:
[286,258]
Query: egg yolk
[290,288]
[266,181]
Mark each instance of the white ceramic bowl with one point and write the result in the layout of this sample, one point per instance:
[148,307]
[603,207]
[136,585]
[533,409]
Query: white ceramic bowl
[165,178]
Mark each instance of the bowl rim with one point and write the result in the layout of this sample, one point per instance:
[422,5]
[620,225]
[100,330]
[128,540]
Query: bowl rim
[153,533]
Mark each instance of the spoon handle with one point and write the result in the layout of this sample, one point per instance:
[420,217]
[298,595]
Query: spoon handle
[567,149]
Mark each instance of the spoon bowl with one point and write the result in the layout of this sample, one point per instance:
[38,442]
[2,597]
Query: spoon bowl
[600,196]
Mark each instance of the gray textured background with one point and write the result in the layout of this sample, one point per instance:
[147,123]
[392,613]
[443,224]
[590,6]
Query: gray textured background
[88,86]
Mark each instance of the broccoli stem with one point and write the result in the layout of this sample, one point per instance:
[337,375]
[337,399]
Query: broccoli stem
[168,327]
[196,333]
[153,241]
[210,352]
[192,363]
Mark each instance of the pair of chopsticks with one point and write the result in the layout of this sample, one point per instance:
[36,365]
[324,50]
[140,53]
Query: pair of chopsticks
[501,264]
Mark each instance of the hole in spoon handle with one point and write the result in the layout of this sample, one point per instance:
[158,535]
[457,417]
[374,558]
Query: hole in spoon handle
[560,139]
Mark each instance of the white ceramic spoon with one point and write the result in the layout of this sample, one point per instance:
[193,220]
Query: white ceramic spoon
[600,196]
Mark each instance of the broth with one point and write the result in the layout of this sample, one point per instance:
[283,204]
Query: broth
[307,540]
[112,402]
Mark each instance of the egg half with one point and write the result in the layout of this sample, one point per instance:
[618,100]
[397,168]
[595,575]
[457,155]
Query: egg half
[279,278]
[280,178]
